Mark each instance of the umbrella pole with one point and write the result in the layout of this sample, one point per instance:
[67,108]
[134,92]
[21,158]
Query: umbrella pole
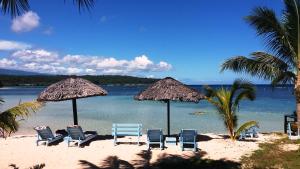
[168,109]
[75,111]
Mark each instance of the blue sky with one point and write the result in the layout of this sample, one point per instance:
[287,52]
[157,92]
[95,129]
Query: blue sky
[185,39]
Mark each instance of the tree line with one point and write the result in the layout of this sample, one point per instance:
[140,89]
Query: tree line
[45,80]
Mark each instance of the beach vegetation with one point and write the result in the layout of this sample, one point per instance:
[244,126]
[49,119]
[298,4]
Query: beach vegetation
[280,64]
[281,153]
[46,80]
[227,101]
[10,118]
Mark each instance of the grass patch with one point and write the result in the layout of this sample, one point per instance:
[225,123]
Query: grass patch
[272,155]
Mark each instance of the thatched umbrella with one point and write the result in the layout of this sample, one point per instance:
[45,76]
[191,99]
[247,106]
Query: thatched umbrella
[169,89]
[71,89]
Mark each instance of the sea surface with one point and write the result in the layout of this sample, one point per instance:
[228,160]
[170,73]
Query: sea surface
[99,113]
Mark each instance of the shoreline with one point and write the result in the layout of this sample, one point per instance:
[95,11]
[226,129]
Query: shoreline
[211,146]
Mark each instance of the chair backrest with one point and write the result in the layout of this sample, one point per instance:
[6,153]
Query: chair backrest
[154,134]
[44,132]
[188,135]
[76,132]
[126,129]
[253,129]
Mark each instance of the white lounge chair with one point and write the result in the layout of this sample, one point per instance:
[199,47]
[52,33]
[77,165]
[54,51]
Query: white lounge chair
[77,135]
[293,135]
[45,135]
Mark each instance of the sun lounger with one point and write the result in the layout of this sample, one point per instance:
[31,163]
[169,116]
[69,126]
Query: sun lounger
[126,130]
[155,136]
[252,132]
[44,134]
[293,131]
[188,137]
[77,135]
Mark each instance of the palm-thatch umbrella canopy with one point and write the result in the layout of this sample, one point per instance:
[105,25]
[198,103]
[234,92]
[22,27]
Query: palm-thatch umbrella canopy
[71,89]
[169,89]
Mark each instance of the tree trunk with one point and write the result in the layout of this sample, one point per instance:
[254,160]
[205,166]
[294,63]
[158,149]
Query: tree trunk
[297,94]
[297,85]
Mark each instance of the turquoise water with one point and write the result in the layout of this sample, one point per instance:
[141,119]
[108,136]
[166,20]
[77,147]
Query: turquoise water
[98,113]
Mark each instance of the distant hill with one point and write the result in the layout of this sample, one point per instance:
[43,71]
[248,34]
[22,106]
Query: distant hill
[17,72]
[45,80]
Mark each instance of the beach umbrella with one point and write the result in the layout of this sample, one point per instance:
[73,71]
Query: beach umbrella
[71,89]
[169,89]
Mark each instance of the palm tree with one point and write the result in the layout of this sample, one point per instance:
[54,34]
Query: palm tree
[9,119]
[18,7]
[282,37]
[227,102]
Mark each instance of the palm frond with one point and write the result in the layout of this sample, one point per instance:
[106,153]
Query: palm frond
[84,4]
[284,78]
[18,7]
[273,31]
[8,118]
[260,64]
[14,7]
[244,127]
[241,89]
[290,18]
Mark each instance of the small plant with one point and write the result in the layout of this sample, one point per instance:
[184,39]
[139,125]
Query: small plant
[10,118]
[227,102]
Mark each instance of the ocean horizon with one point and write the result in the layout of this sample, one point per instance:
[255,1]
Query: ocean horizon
[99,113]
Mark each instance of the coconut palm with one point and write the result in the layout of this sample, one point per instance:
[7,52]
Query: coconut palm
[18,7]
[9,119]
[227,102]
[280,65]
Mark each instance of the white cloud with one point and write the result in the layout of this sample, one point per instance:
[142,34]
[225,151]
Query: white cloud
[90,71]
[38,55]
[141,63]
[13,45]
[26,22]
[6,63]
[73,70]
[74,58]
[164,66]
[43,61]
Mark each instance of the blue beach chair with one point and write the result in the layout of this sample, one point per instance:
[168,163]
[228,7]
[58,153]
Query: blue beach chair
[44,134]
[155,136]
[188,137]
[252,132]
[77,135]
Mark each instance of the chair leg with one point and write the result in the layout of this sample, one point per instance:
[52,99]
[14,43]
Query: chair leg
[195,147]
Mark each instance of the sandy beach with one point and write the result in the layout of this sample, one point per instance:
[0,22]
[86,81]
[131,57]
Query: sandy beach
[22,151]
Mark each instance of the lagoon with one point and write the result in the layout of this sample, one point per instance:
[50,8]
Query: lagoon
[98,113]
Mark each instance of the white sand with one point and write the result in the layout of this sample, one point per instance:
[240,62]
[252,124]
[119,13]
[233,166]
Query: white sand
[22,151]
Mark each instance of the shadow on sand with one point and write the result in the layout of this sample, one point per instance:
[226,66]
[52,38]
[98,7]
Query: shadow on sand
[164,161]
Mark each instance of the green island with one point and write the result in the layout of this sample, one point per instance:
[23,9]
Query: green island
[45,80]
